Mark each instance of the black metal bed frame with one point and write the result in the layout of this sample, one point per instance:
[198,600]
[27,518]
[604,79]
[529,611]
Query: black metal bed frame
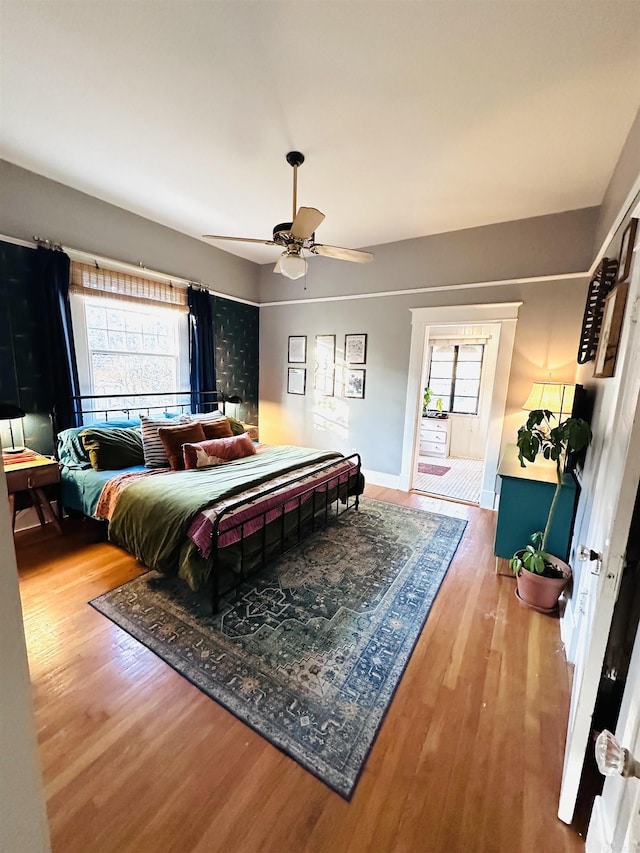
[342,488]
[179,401]
[342,485]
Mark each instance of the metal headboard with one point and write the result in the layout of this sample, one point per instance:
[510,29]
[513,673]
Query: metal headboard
[105,407]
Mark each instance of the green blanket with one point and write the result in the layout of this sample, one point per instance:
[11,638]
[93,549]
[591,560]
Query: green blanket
[152,516]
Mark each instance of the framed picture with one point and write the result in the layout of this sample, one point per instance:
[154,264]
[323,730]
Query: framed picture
[325,364]
[297,380]
[355,349]
[297,349]
[625,257]
[612,317]
[354,384]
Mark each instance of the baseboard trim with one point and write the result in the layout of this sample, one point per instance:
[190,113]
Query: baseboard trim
[27,518]
[488,499]
[379,478]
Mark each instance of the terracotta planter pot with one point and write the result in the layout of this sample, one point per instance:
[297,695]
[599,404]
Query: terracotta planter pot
[542,593]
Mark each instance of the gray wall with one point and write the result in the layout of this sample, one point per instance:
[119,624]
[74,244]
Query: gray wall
[626,171]
[544,245]
[32,205]
[546,340]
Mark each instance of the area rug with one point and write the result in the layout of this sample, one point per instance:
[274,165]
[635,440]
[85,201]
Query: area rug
[309,651]
[427,468]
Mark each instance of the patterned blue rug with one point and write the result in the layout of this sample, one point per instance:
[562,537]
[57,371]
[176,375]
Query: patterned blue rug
[309,651]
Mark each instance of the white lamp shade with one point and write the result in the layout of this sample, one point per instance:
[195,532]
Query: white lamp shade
[557,397]
[291,265]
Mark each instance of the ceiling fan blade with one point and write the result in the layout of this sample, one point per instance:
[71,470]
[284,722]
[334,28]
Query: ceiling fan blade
[306,221]
[342,254]
[239,239]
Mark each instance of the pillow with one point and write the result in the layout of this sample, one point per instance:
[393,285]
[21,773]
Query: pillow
[113,448]
[71,451]
[154,453]
[206,417]
[237,427]
[174,437]
[217,450]
[220,428]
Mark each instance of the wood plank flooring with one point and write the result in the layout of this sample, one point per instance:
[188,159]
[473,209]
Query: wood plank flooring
[135,758]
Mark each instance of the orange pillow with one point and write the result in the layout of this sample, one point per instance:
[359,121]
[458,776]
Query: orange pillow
[217,450]
[217,429]
[173,438]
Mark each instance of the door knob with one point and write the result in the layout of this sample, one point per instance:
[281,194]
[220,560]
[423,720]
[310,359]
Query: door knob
[613,759]
[587,554]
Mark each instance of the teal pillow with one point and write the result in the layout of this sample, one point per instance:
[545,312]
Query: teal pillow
[113,448]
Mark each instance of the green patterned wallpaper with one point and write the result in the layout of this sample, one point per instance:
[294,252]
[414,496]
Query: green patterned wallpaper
[236,330]
[23,371]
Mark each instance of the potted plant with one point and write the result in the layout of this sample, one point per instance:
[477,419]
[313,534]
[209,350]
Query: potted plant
[426,398]
[542,576]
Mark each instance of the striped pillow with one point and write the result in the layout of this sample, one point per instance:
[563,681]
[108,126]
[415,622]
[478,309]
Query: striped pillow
[207,417]
[155,455]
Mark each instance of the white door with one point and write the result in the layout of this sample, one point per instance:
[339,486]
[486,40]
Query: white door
[615,820]
[611,477]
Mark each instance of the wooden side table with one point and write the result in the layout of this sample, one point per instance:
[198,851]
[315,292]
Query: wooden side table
[30,476]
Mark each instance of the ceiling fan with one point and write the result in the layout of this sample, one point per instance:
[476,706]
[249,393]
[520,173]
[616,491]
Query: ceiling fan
[299,236]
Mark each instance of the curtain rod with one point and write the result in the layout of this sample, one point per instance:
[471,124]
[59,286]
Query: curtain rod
[120,266]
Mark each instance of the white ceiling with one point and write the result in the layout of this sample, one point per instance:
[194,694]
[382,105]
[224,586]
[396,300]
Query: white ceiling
[415,117]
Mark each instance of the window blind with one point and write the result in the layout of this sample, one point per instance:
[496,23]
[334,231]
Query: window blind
[86,279]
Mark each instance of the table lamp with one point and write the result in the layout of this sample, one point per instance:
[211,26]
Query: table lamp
[235,401]
[556,397]
[10,412]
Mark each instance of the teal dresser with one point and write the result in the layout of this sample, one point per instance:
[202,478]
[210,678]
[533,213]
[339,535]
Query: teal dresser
[525,498]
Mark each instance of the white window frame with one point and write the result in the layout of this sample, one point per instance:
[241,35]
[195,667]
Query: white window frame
[83,352]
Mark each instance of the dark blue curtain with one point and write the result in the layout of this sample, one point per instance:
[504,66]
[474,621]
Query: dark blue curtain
[201,346]
[58,350]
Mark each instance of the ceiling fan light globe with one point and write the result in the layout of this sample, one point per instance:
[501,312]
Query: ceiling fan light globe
[292,266]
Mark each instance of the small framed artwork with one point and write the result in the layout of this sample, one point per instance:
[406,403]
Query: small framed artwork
[612,317]
[625,257]
[355,349]
[297,380]
[325,364]
[354,384]
[297,349]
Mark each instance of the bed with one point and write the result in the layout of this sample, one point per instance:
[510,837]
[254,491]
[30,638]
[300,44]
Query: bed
[216,516]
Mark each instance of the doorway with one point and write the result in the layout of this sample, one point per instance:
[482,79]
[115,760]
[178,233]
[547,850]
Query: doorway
[459,368]
[502,319]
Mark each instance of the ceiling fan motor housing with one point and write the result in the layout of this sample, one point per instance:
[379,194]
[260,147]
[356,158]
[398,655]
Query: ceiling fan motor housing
[283,237]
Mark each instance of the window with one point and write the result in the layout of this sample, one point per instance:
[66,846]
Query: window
[454,376]
[128,345]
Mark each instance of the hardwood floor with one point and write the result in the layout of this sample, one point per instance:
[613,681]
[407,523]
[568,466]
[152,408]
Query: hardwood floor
[135,758]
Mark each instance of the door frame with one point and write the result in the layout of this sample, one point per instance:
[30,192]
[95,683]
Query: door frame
[614,475]
[506,315]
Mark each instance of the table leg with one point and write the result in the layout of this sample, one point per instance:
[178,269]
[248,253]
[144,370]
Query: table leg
[12,510]
[42,505]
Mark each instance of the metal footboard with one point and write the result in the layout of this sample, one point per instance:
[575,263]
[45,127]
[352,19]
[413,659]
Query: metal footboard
[314,508]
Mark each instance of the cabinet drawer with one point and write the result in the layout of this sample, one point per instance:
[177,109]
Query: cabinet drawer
[439,437]
[32,478]
[437,426]
[433,448]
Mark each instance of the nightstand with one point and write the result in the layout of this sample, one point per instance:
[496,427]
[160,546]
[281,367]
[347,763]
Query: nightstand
[252,429]
[30,476]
